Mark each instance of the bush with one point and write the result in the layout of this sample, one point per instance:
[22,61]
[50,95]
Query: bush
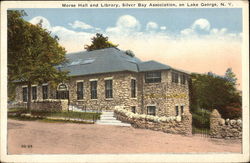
[16,112]
[231,112]
[202,112]
[201,118]
[201,121]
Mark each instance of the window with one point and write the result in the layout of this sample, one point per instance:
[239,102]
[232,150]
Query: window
[62,87]
[151,110]
[133,109]
[182,110]
[25,94]
[153,77]
[133,88]
[45,91]
[79,90]
[177,110]
[183,79]
[108,89]
[175,77]
[34,92]
[93,89]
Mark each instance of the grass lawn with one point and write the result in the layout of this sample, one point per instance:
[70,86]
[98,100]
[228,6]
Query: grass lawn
[16,110]
[68,114]
[15,113]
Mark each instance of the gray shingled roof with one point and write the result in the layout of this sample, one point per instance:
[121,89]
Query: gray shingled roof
[152,66]
[107,60]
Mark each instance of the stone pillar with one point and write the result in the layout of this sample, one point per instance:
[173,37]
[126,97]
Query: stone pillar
[215,119]
[187,123]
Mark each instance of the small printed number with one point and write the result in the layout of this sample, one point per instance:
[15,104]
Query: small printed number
[26,146]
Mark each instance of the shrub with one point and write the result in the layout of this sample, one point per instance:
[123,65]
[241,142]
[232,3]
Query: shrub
[231,112]
[201,118]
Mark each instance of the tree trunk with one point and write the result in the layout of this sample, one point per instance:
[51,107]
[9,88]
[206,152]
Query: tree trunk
[29,98]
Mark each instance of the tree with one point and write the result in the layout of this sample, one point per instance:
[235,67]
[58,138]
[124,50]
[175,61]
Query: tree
[33,54]
[209,91]
[99,42]
[230,77]
[130,53]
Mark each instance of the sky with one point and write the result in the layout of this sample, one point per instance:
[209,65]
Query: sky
[195,40]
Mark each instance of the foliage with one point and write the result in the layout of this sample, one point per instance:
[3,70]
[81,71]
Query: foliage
[22,118]
[210,91]
[64,121]
[33,53]
[99,42]
[17,109]
[201,119]
[11,91]
[16,112]
[67,114]
[233,111]
[230,77]
[130,53]
[202,112]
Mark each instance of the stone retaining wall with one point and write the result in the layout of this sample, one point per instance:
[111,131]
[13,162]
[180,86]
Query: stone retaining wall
[175,125]
[50,105]
[221,128]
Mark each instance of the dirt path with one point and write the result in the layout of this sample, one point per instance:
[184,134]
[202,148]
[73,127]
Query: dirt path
[70,138]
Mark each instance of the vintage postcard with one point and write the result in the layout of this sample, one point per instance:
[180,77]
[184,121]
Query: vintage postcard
[126,81]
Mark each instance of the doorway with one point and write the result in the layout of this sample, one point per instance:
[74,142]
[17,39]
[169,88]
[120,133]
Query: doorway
[62,91]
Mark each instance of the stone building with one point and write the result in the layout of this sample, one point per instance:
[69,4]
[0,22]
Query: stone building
[103,79]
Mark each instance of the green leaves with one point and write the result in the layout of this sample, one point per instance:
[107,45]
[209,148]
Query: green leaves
[210,91]
[99,42]
[32,52]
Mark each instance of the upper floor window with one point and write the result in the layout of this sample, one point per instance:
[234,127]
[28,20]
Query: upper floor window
[93,89]
[45,91]
[79,90]
[133,88]
[108,88]
[175,77]
[153,77]
[25,94]
[151,110]
[183,79]
[34,92]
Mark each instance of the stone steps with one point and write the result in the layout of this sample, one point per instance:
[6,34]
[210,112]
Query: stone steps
[107,118]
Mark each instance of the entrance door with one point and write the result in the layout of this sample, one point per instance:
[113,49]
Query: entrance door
[62,91]
[62,94]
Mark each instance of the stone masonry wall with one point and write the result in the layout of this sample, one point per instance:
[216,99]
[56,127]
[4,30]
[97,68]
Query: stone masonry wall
[154,94]
[19,92]
[228,129]
[175,125]
[177,94]
[164,95]
[50,105]
[121,91]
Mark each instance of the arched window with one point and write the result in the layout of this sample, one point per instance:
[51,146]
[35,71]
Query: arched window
[62,91]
